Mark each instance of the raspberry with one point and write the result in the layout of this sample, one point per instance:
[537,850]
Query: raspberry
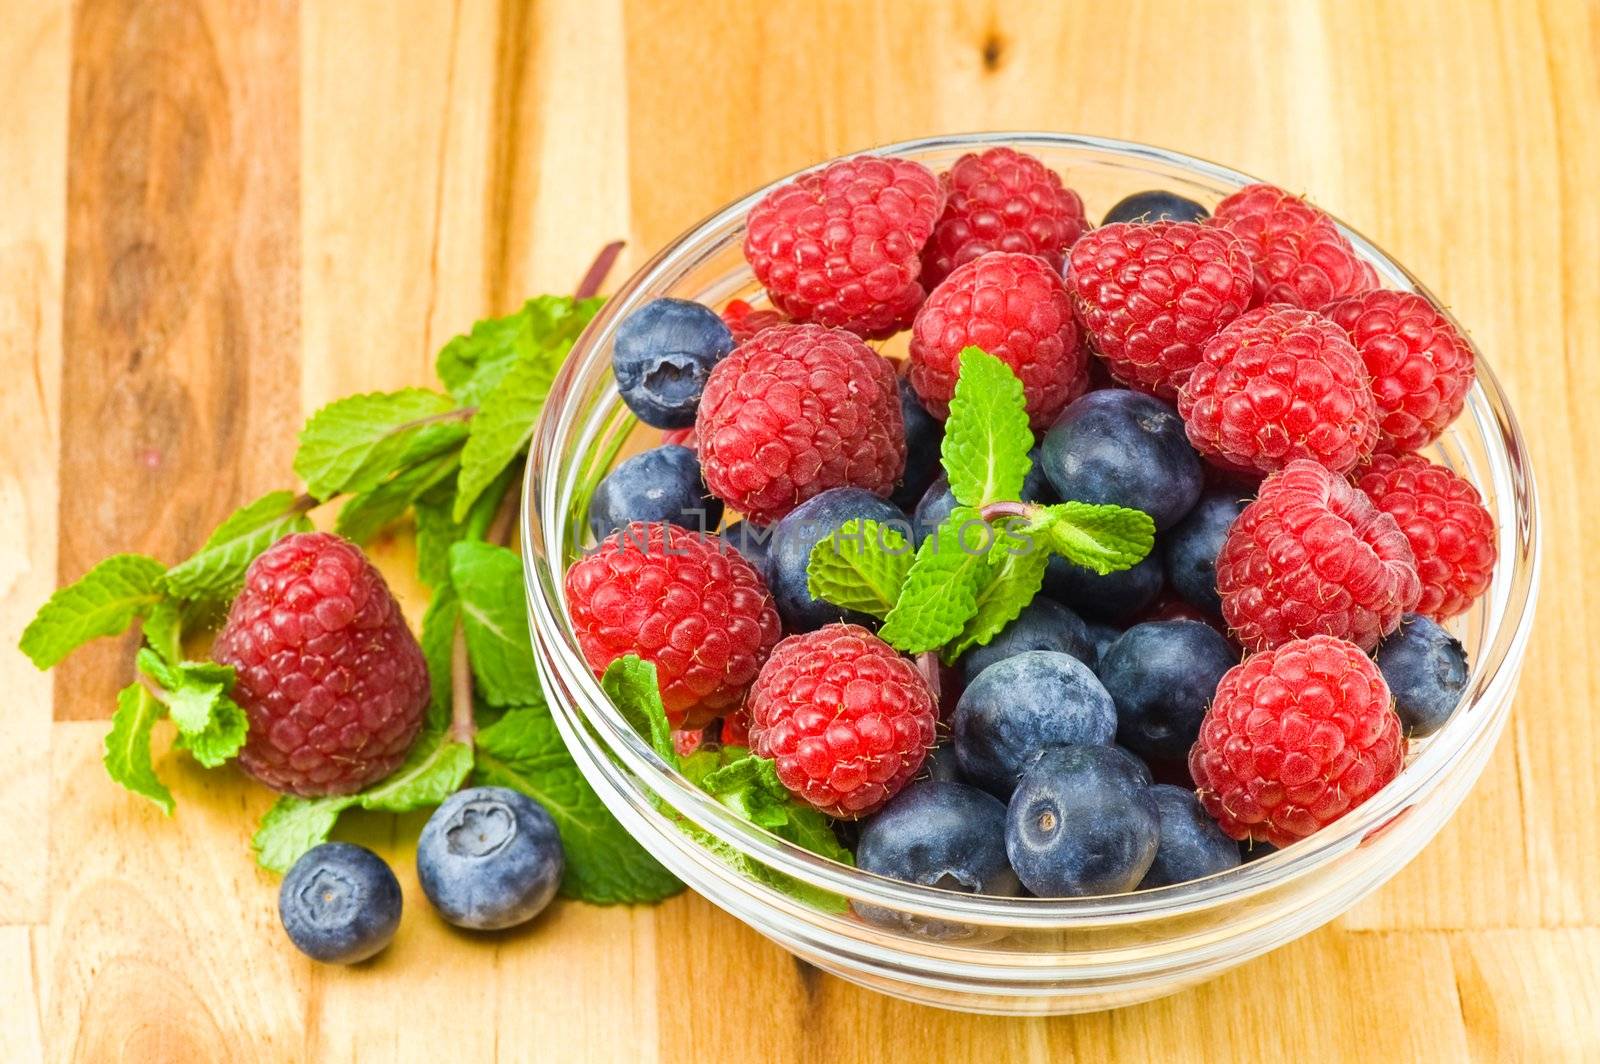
[1015,307]
[1444,520]
[1276,385]
[1421,366]
[744,321]
[1002,200]
[331,679]
[846,718]
[1313,556]
[795,411]
[841,246]
[681,437]
[1296,738]
[701,614]
[1150,295]
[1300,256]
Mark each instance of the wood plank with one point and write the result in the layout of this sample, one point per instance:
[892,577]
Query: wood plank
[33,143]
[180,321]
[1529,995]
[22,1037]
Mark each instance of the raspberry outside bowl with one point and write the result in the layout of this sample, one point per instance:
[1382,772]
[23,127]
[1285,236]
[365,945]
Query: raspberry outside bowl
[1010,955]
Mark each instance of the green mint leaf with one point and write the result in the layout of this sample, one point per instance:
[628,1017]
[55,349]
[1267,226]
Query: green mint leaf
[501,428]
[438,637]
[104,601]
[293,826]
[220,740]
[494,614]
[523,750]
[127,756]
[1099,537]
[216,571]
[751,788]
[365,515]
[355,444]
[472,365]
[211,725]
[631,683]
[986,438]
[1013,577]
[438,530]
[860,567]
[163,629]
[940,592]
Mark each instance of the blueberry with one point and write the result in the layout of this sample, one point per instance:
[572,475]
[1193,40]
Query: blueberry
[1162,675]
[751,541]
[1191,843]
[1101,636]
[1082,822]
[662,356]
[340,903]
[940,834]
[1156,205]
[1114,597]
[490,857]
[924,434]
[1426,669]
[1019,706]
[1191,548]
[1043,624]
[789,551]
[942,764]
[662,484]
[938,501]
[1125,448]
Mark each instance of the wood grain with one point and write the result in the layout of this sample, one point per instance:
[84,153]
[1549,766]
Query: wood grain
[220,215]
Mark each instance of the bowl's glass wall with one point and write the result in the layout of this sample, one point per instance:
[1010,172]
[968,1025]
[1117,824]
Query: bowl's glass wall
[1009,955]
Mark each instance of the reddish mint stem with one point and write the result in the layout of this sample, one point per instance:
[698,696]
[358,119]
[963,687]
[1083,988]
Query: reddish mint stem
[928,665]
[598,269]
[996,510]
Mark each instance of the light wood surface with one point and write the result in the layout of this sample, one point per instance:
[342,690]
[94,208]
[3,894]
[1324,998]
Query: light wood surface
[216,215]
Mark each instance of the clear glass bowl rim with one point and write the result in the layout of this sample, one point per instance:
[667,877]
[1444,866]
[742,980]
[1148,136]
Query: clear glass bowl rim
[1494,670]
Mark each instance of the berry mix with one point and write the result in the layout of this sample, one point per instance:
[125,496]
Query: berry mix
[1128,566]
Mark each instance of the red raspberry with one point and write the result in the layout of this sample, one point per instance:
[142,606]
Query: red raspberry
[681,437]
[1313,556]
[1296,738]
[1300,256]
[700,613]
[795,411]
[736,728]
[1002,200]
[1015,307]
[1151,294]
[331,679]
[744,321]
[1421,366]
[1444,520]
[846,718]
[1276,385]
[841,246]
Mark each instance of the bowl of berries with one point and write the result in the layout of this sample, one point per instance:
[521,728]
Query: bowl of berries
[1021,615]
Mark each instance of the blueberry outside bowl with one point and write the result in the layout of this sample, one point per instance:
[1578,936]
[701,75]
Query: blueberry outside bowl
[1009,955]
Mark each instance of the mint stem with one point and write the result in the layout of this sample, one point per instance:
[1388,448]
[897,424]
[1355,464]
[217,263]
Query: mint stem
[996,510]
[462,725]
[595,276]
[928,665]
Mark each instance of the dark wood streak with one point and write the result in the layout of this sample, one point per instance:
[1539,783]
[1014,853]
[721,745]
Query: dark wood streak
[180,318]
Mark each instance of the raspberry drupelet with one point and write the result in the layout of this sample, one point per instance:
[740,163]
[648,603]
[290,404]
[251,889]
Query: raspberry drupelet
[333,682]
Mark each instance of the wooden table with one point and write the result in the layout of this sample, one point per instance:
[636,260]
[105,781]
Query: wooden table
[215,215]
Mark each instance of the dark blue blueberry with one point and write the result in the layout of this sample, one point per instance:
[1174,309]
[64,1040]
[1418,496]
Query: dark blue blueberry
[1043,624]
[340,903]
[1114,597]
[1162,675]
[940,834]
[1191,548]
[1156,205]
[1124,448]
[789,551]
[939,501]
[924,434]
[662,484]
[1019,706]
[1191,843]
[1426,669]
[1082,822]
[942,764]
[662,356]
[490,857]
[1101,636]
[750,541]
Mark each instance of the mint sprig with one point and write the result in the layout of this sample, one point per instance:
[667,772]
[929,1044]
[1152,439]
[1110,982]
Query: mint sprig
[103,602]
[1103,538]
[941,590]
[986,438]
[861,567]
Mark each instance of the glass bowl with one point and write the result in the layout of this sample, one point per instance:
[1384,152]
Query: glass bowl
[1004,955]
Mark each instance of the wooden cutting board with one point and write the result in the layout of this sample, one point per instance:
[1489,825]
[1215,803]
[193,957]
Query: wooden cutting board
[215,215]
